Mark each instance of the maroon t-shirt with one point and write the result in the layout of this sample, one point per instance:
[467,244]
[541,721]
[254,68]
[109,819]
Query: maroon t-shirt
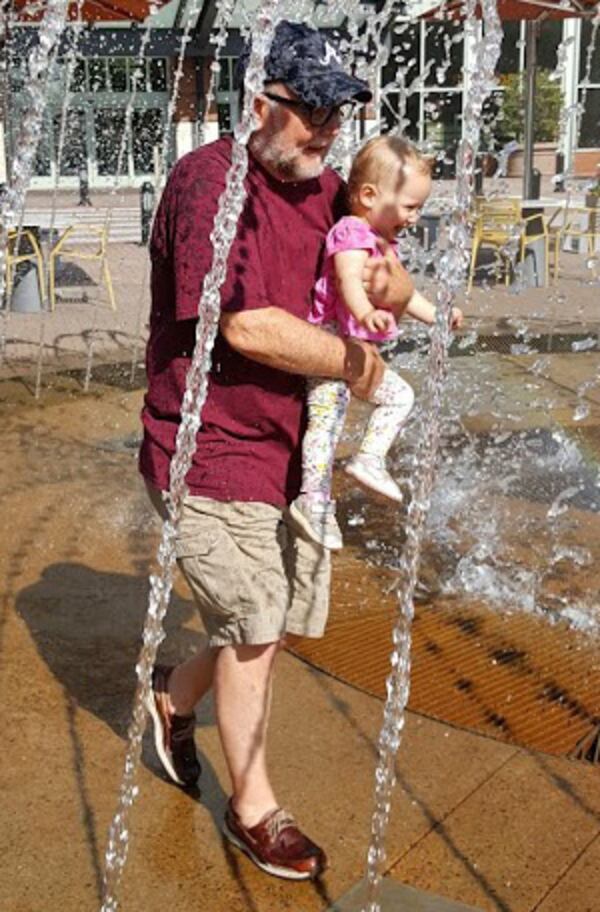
[249,445]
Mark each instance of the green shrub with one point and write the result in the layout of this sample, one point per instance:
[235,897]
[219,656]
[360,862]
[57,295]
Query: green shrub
[547,107]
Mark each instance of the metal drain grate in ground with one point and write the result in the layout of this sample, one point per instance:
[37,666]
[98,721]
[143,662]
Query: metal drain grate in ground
[515,677]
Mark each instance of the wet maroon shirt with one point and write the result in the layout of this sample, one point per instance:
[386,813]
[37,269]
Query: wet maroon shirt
[254,415]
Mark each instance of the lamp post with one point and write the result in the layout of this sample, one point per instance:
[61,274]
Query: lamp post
[146,209]
[531,36]
[84,186]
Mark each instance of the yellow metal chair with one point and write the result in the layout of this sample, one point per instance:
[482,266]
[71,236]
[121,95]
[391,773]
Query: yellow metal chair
[535,228]
[580,223]
[23,247]
[499,224]
[81,242]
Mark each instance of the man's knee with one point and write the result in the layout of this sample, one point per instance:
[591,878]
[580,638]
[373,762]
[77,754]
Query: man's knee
[247,652]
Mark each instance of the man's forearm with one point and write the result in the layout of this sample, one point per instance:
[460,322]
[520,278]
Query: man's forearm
[274,337]
[278,339]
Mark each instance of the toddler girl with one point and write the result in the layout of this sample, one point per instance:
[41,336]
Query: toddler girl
[388,185]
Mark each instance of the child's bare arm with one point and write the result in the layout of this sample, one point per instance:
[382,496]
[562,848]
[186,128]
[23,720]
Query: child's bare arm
[349,265]
[419,308]
[387,282]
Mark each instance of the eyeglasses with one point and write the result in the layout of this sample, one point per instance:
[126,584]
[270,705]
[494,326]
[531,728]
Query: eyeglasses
[317,117]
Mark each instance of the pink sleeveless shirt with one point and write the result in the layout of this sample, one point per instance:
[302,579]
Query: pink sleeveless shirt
[350,233]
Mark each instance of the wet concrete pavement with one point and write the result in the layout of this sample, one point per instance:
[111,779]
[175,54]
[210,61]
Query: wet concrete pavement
[480,822]
[83,318]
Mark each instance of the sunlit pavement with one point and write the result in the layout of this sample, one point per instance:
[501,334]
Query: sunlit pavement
[480,822]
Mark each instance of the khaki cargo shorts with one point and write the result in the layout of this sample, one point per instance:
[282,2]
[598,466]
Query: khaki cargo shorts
[253,579]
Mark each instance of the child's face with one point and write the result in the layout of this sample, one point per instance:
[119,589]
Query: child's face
[392,209]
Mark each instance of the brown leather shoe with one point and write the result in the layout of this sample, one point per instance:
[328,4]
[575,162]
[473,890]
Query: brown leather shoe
[276,845]
[173,735]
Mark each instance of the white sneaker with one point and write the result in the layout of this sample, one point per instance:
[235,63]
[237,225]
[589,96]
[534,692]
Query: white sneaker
[316,518]
[371,472]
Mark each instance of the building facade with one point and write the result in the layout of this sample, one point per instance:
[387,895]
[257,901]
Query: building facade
[120,98]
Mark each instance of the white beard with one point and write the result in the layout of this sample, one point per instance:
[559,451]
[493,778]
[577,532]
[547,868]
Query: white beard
[285,164]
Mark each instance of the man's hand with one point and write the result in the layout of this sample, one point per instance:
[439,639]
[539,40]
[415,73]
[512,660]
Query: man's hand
[363,368]
[377,321]
[386,282]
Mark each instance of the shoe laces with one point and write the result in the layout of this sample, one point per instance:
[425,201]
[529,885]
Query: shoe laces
[278,822]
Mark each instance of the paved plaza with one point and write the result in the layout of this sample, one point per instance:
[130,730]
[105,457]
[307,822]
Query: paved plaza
[477,823]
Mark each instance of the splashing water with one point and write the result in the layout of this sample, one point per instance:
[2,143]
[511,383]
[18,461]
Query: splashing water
[120,160]
[452,272]
[71,62]
[12,200]
[230,206]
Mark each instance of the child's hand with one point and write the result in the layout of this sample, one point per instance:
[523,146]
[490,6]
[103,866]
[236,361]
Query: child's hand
[456,318]
[379,321]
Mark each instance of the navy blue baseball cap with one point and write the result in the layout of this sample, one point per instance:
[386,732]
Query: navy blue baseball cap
[306,61]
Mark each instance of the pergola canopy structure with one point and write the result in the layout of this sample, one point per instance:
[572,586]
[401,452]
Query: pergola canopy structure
[521,9]
[92,10]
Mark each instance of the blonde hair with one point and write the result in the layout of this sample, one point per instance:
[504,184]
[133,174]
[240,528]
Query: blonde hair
[381,157]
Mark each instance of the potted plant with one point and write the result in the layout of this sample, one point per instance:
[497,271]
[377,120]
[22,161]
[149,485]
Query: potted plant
[548,102]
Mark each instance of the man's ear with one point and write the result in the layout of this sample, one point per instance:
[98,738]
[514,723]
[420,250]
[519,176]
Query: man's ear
[261,109]
[367,195]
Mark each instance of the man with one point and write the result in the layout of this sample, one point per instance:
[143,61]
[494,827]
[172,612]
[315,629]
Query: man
[252,578]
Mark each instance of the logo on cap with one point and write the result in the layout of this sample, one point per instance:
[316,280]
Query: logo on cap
[330,55]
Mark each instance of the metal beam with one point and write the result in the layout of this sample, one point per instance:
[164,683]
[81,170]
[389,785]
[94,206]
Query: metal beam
[109,42]
[205,21]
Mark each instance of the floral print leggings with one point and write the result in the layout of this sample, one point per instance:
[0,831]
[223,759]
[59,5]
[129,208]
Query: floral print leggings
[327,406]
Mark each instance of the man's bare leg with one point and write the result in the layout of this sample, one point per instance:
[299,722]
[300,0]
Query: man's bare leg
[242,683]
[191,680]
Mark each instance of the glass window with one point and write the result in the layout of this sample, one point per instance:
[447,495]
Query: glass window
[157,71]
[491,125]
[407,120]
[443,119]
[17,75]
[147,133]
[389,110]
[97,74]
[43,155]
[405,53]
[225,75]
[411,114]
[589,132]
[109,126]
[137,76]
[78,82]
[444,53]
[508,62]
[224,118]
[117,71]
[586,37]
[548,42]
[74,149]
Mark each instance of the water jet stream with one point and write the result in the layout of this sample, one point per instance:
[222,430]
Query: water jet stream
[230,207]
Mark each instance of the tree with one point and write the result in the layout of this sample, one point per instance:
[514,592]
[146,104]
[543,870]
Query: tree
[548,103]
